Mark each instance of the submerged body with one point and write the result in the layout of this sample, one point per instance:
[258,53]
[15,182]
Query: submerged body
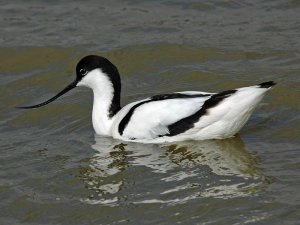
[179,116]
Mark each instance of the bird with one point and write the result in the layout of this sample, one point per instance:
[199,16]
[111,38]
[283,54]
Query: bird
[179,116]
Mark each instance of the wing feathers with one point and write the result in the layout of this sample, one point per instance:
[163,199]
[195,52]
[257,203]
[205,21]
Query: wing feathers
[150,118]
[188,122]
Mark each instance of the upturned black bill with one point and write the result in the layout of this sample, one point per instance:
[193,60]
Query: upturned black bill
[65,90]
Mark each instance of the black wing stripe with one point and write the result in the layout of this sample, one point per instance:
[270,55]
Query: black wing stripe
[188,122]
[124,122]
[267,84]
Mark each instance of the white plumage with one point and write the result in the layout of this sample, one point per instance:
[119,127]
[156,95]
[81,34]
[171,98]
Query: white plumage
[151,119]
[180,116]
[220,122]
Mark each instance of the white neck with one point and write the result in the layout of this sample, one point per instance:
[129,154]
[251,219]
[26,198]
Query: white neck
[100,116]
[103,94]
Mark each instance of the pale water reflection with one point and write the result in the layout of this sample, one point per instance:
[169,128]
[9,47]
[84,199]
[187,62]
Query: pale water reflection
[47,163]
[183,171]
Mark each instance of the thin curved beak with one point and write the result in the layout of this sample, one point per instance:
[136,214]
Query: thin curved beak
[65,90]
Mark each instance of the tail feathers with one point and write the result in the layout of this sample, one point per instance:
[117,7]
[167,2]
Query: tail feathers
[267,84]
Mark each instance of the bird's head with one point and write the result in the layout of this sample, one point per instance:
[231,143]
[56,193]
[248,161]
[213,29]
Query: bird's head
[90,70]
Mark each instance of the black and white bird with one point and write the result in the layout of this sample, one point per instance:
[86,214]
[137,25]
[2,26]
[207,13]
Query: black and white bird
[189,115]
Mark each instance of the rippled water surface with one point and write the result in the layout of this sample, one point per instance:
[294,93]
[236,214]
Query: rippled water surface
[55,170]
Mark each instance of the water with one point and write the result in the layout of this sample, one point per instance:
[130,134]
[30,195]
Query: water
[55,170]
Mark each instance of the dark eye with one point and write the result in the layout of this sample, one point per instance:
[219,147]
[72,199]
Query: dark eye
[83,72]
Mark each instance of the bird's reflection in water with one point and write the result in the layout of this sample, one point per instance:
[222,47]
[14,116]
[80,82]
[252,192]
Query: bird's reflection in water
[215,168]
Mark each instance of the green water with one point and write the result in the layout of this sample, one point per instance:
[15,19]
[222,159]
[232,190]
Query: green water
[55,170]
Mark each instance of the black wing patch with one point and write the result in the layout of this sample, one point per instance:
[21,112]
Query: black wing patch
[267,84]
[126,119]
[188,122]
[176,95]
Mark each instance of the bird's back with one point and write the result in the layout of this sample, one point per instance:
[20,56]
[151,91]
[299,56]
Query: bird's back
[188,115]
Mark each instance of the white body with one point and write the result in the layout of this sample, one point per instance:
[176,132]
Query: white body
[151,119]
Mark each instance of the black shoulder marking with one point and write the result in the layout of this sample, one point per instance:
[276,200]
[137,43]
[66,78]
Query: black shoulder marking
[188,122]
[125,120]
[177,95]
[267,84]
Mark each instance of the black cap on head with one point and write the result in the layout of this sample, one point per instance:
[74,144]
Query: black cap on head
[84,66]
[91,62]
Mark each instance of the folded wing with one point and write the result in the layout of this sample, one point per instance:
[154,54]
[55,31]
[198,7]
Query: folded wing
[152,117]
